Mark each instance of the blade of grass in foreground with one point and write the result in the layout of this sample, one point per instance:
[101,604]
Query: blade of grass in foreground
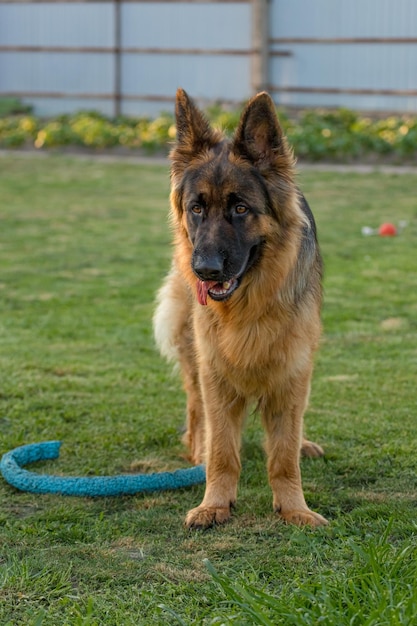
[378,589]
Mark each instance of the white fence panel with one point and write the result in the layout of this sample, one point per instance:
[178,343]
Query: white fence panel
[359,54]
[129,56]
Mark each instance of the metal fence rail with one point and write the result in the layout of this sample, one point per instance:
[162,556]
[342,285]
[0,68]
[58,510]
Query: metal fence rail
[309,41]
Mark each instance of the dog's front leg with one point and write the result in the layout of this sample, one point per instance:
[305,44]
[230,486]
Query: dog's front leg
[282,415]
[224,412]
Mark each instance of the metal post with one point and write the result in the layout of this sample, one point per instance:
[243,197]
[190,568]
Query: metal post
[260,45]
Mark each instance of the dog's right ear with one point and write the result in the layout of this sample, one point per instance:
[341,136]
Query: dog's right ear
[194,133]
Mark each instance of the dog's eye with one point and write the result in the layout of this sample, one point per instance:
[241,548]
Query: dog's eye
[196,209]
[241,209]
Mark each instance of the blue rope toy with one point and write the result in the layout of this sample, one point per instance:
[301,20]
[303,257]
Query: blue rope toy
[94,486]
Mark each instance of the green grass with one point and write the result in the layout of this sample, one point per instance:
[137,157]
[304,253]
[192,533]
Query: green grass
[83,247]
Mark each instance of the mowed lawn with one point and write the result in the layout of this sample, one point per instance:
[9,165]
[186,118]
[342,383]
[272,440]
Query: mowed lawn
[84,245]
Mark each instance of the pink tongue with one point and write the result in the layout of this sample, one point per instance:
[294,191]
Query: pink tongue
[203,287]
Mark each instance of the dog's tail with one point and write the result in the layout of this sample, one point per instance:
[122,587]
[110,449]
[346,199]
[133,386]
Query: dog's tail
[170,316]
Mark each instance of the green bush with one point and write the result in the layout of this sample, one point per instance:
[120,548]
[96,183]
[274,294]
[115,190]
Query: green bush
[13,106]
[340,136]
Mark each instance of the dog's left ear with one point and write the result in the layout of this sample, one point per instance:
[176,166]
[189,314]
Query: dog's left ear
[259,137]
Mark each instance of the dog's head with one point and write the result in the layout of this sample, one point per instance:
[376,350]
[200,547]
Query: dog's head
[226,193]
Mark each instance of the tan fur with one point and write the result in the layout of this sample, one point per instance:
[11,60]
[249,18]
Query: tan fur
[257,346]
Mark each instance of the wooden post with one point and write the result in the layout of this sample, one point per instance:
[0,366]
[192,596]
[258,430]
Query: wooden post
[260,45]
[117,96]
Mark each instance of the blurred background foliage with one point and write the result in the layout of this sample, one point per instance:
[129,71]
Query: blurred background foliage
[339,135]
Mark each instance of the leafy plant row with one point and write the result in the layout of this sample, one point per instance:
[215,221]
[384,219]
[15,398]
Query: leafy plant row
[341,135]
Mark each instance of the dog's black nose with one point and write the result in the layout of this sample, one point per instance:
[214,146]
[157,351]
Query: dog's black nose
[208,267]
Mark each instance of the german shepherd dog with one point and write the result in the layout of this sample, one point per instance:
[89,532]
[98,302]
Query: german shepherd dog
[240,308]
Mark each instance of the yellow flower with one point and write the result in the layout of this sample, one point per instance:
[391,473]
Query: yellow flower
[40,139]
[27,124]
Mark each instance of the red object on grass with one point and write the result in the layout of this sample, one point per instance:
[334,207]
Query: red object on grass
[387,230]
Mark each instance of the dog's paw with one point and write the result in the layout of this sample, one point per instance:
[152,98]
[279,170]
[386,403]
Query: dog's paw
[311,450]
[303,517]
[203,517]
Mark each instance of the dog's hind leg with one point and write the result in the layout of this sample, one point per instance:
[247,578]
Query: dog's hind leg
[310,449]
[194,436]
[174,336]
